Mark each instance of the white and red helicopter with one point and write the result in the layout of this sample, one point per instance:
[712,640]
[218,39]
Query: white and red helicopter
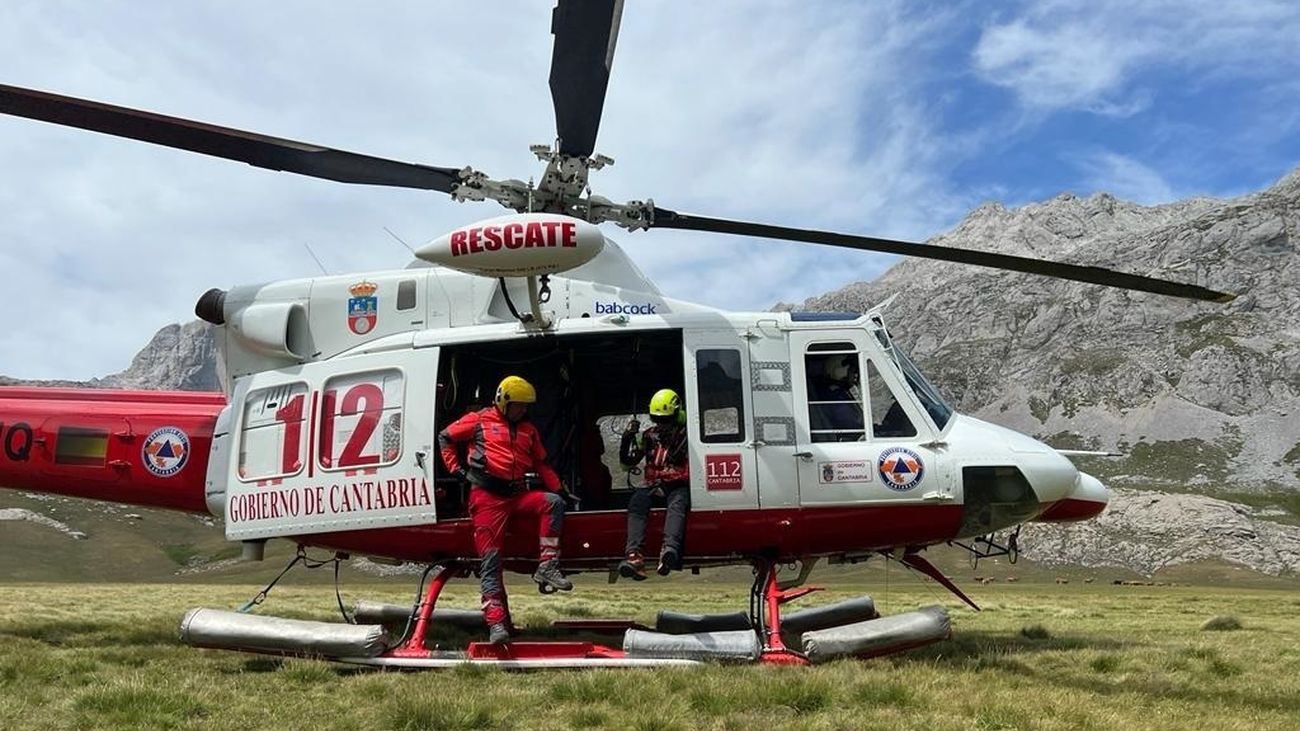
[335,387]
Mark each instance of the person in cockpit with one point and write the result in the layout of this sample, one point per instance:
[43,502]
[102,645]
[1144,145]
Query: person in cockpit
[834,400]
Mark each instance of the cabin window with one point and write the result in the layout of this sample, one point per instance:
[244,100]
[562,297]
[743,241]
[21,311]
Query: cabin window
[361,420]
[81,447]
[834,380]
[274,438]
[721,397]
[888,419]
[406,295]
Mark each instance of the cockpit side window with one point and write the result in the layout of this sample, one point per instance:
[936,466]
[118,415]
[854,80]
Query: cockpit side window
[888,419]
[834,381]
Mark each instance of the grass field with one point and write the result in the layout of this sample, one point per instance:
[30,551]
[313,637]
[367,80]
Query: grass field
[1040,656]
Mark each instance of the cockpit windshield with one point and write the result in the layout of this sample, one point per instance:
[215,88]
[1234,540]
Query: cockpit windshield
[925,391]
[938,409]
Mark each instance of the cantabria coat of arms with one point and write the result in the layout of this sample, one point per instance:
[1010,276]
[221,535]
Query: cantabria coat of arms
[363,307]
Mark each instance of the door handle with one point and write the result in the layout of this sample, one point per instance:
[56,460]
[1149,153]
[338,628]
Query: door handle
[419,459]
[805,456]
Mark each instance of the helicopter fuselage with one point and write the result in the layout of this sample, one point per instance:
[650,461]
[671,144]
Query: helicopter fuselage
[337,386]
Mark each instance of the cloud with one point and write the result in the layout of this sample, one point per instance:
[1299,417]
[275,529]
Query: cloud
[1126,178]
[872,118]
[1095,56]
[1073,65]
[805,114]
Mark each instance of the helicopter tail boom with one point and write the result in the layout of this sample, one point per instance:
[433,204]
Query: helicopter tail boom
[146,448]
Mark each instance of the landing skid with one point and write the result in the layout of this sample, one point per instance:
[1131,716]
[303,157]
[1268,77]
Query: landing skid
[535,663]
[842,629]
[511,655]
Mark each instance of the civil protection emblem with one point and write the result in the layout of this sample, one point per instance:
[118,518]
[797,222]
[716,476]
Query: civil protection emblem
[165,451]
[363,307]
[900,468]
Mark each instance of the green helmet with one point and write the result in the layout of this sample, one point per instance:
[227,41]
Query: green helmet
[665,403]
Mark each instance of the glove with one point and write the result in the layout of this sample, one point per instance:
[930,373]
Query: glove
[572,502]
[633,427]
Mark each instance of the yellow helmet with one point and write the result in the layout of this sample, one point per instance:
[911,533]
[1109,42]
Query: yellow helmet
[665,402]
[514,390]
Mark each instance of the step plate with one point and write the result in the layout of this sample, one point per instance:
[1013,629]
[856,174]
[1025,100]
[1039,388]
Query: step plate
[551,663]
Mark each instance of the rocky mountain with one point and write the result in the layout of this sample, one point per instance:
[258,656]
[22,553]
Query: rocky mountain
[1145,531]
[179,357]
[1203,399]
[1198,394]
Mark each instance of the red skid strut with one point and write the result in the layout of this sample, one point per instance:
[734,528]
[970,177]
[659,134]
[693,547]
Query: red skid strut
[414,646]
[774,650]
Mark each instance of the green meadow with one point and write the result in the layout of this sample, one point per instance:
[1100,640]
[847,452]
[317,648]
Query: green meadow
[1041,655]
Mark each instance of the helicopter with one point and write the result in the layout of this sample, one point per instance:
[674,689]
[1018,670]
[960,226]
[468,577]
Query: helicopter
[335,388]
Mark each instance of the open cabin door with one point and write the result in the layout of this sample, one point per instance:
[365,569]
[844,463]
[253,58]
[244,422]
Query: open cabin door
[718,404]
[332,446]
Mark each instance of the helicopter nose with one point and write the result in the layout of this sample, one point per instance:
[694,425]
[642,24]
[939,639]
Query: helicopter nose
[1051,475]
[1087,499]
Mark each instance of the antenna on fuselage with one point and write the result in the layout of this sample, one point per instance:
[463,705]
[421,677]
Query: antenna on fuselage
[399,240]
[315,258]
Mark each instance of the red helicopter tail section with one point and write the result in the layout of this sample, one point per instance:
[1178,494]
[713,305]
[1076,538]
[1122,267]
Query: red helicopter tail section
[139,447]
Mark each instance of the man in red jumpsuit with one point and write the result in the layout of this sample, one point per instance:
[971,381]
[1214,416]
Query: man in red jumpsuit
[503,447]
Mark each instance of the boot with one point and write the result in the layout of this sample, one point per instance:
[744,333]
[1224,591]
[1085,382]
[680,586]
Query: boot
[499,633]
[549,577]
[669,561]
[632,567]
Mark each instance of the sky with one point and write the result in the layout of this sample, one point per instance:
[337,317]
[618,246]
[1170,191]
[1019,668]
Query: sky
[883,118]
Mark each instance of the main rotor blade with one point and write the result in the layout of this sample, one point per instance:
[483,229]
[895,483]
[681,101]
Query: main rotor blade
[585,33]
[664,218]
[262,151]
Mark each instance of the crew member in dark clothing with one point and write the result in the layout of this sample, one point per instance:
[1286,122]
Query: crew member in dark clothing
[503,448]
[667,472]
[834,408]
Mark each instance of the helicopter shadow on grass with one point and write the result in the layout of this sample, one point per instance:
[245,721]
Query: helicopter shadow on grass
[985,651]
[282,663]
[999,651]
[1203,694]
[260,664]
